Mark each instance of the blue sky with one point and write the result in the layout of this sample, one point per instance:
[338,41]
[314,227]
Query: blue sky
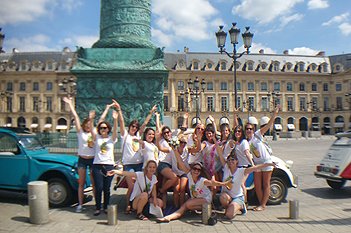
[299,26]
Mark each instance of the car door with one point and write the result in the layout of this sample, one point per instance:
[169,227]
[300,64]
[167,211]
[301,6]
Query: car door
[13,163]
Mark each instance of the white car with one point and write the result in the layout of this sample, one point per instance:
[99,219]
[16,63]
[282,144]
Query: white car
[335,167]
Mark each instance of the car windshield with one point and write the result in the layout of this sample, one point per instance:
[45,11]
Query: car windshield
[30,142]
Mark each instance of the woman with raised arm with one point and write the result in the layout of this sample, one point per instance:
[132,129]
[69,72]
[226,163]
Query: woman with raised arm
[131,159]
[104,161]
[144,190]
[232,196]
[262,177]
[198,187]
[148,149]
[85,149]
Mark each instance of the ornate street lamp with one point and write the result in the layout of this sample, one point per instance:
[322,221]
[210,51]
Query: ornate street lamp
[194,90]
[68,86]
[234,33]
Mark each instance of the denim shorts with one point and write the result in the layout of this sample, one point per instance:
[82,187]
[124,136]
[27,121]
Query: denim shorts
[265,169]
[161,166]
[240,200]
[84,163]
[133,167]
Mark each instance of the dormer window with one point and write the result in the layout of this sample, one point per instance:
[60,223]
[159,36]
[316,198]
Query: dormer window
[209,65]
[263,65]
[250,66]
[313,67]
[223,65]
[276,66]
[301,66]
[289,66]
[195,65]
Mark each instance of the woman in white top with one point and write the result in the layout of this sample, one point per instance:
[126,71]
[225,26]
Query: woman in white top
[104,161]
[131,158]
[232,196]
[144,190]
[262,178]
[148,149]
[85,148]
[198,187]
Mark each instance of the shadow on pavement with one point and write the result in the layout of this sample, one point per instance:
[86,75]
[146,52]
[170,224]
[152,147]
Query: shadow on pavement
[14,197]
[330,221]
[329,193]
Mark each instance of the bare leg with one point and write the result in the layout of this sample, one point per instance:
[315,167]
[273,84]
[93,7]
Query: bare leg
[176,192]
[130,183]
[139,202]
[266,175]
[81,182]
[183,185]
[258,185]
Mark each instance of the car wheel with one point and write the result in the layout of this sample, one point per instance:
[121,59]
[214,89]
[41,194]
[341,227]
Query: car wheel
[335,184]
[279,191]
[60,193]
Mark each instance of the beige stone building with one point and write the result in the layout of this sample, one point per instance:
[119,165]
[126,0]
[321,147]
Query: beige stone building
[313,91]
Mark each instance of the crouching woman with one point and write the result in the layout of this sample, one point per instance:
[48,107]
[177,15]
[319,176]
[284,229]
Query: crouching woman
[144,190]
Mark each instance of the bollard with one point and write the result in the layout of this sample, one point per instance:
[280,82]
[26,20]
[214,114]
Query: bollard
[206,212]
[112,215]
[38,202]
[294,209]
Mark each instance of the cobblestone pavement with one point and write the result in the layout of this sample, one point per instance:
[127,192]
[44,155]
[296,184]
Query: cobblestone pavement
[321,209]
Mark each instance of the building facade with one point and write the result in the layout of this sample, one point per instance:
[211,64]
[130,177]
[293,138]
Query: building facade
[314,92]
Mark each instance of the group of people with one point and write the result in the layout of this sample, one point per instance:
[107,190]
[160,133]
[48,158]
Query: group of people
[195,161]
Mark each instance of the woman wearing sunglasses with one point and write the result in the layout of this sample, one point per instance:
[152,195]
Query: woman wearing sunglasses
[262,177]
[103,160]
[198,186]
[131,158]
[232,196]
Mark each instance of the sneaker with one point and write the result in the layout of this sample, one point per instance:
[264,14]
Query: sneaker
[243,210]
[79,209]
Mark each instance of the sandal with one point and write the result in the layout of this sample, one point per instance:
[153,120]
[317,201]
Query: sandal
[162,220]
[128,210]
[142,217]
[258,208]
[97,213]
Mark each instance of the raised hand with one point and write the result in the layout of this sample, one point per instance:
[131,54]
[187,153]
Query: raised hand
[117,106]
[114,115]
[91,114]
[67,100]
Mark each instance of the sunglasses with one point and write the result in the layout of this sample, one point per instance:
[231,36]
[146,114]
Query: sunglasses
[237,131]
[248,129]
[134,126]
[196,169]
[232,160]
[183,142]
[102,127]
[166,132]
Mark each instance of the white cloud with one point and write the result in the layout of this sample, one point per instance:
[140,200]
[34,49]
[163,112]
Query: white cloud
[285,20]
[256,47]
[30,44]
[162,39]
[264,11]
[70,5]
[85,41]
[303,51]
[189,22]
[317,4]
[17,11]
[345,28]
[337,19]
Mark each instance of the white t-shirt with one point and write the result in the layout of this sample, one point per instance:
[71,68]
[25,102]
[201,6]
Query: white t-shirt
[104,150]
[130,154]
[237,179]
[227,149]
[210,158]
[199,189]
[184,156]
[258,150]
[83,148]
[141,185]
[240,152]
[149,152]
[164,157]
[193,158]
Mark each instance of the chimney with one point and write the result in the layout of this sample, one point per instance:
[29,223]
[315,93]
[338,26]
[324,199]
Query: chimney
[186,49]
[261,51]
[286,52]
[321,53]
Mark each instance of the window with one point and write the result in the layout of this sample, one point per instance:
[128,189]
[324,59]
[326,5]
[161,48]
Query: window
[223,65]
[238,86]
[180,85]
[224,103]
[251,103]
[250,66]
[165,103]
[49,86]
[35,104]
[22,104]
[276,66]
[196,65]
[338,103]
[9,86]
[210,103]
[314,87]
[264,103]
[224,86]
[301,66]
[288,66]
[302,104]
[8,144]
[325,87]
[210,86]
[209,65]
[263,66]
[313,67]
[302,87]
[35,86]
[325,67]
[22,86]
[50,66]
[49,104]
[276,86]
[338,87]
[314,103]
[238,102]
[289,87]
[180,103]
[63,106]
[290,104]
[264,86]
[326,104]
[9,104]
[250,86]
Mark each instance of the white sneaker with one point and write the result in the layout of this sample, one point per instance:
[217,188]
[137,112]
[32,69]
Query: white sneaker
[79,209]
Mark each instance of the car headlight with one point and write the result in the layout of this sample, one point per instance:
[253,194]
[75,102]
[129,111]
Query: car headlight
[289,163]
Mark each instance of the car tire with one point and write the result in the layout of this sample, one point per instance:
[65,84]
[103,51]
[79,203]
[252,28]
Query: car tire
[279,191]
[335,184]
[60,193]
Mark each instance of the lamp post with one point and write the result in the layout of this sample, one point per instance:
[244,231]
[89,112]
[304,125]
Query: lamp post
[234,33]
[247,105]
[5,95]
[68,86]
[194,90]
[348,99]
[2,37]
[274,96]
